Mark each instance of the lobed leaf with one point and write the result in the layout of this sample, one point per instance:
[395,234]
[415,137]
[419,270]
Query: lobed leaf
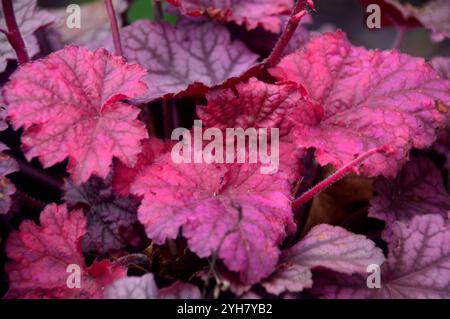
[417,266]
[228,209]
[361,99]
[77,113]
[326,246]
[418,189]
[184,60]
[41,256]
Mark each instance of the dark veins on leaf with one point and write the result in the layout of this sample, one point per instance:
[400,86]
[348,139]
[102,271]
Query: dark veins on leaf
[418,189]
[112,223]
[187,59]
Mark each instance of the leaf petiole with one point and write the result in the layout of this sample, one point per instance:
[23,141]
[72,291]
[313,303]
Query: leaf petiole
[13,35]
[339,174]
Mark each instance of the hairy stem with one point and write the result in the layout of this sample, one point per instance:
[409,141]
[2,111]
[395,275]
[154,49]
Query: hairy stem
[339,174]
[13,35]
[297,14]
[158,10]
[114,27]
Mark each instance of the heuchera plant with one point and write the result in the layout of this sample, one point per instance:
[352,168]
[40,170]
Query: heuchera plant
[93,204]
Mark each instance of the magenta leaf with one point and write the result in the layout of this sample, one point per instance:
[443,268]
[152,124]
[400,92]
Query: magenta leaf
[77,112]
[361,99]
[258,105]
[112,222]
[229,209]
[29,19]
[433,15]
[145,288]
[418,189]
[418,265]
[186,59]
[251,13]
[42,254]
[124,176]
[326,246]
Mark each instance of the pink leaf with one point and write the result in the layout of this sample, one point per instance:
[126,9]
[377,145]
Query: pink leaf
[258,105]
[29,19]
[145,288]
[186,59]
[361,99]
[124,175]
[232,209]
[41,256]
[77,112]
[418,265]
[327,246]
[418,189]
[251,13]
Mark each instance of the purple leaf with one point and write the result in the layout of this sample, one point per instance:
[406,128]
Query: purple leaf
[418,189]
[112,222]
[326,246]
[433,15]
[145,288]
[186,59]
[133,288]
[29,19]
[418,265]
[288,277]
[442,65]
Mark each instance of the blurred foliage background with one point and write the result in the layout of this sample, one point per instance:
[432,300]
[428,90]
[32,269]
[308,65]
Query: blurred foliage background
[348,15]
